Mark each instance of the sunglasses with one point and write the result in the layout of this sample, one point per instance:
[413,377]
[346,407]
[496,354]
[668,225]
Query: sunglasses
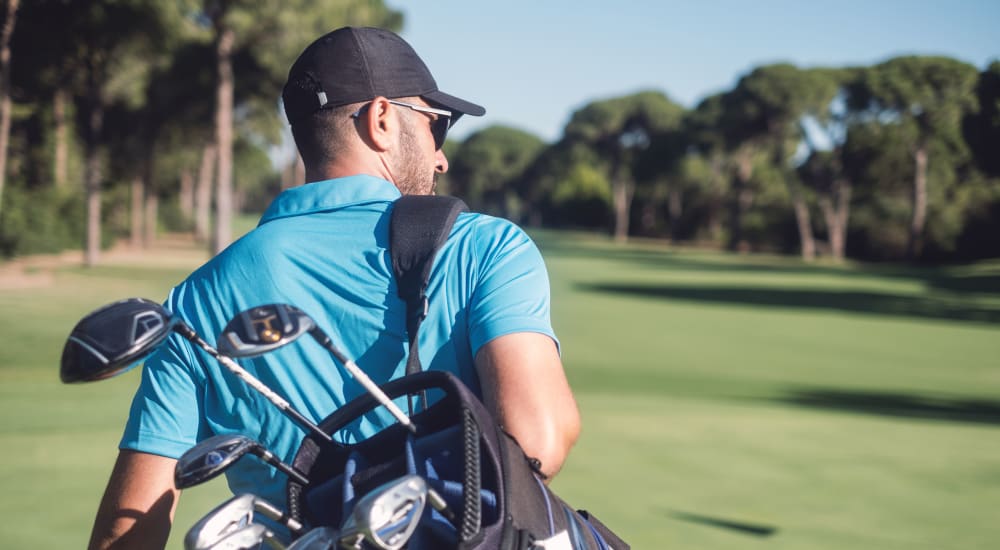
[439,124]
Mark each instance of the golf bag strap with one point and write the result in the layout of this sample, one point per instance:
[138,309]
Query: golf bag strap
[419,226]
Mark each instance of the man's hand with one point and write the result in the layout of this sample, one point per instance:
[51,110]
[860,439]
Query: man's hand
[138,504]
[524,385]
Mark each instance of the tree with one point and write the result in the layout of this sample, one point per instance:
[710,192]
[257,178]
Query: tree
[484,167]
[763,113]
[824,169]
[566,186]
[707,160]
[6,30]
[271,32]
[98,52]
[981,128]
[982,132]
[617,129]
[659,175]
[927,99]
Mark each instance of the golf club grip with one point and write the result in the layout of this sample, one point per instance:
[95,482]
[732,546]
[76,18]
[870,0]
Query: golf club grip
[411,384]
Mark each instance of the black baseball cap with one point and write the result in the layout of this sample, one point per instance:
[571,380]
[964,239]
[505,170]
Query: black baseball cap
[355,64]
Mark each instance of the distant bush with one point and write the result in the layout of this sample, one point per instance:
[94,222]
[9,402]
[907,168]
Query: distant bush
[40,221]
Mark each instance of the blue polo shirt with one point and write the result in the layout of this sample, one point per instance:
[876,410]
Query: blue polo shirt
[322,247]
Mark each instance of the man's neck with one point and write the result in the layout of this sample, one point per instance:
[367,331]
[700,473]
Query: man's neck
[343,170]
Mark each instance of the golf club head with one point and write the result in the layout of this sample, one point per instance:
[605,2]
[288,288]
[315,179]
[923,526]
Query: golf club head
[320,538]
[113,339]
[209,458]
[249,537]
[264,328]
[388,515]
[224,519]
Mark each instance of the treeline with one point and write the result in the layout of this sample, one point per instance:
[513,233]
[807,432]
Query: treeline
[119,115]
[125,117]
[897,161]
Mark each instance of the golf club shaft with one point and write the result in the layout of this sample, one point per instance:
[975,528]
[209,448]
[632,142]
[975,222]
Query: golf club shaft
[363,378]
[273,512]
[278,401]
[270,458]
[438,503]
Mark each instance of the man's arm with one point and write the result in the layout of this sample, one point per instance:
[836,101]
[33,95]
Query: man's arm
[524,385]
[138,504]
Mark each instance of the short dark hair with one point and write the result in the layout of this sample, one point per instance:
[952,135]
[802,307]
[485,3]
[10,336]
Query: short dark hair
[321,135]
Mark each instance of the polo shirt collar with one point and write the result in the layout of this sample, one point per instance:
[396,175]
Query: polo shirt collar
[332,194]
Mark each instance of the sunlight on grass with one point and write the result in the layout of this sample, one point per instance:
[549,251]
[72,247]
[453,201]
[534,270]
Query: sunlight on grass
[728,401]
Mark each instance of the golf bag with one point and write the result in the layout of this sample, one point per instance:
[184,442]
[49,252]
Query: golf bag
[492,488]
[485,478]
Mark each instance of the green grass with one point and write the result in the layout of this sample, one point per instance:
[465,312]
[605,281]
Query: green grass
[728,401]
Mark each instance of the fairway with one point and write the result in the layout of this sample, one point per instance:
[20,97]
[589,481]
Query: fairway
[729,402]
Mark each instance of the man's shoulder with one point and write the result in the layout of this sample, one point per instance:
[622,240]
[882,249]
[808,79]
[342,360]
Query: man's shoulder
[490,239]
[487,228]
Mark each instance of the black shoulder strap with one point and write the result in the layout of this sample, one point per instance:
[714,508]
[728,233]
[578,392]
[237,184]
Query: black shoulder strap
[420,225]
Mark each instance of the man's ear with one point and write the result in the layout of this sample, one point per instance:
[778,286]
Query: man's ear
[380,122]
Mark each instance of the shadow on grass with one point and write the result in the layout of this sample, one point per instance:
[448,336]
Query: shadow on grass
[980,284]
[975,411]
[955,279]
[834,300]
[753,529]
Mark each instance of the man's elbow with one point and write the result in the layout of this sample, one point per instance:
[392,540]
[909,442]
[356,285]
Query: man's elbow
[553,441]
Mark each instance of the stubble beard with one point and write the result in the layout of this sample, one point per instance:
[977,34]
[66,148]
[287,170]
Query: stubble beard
[413,176]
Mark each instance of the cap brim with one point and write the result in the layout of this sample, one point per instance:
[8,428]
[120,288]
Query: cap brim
[454,104]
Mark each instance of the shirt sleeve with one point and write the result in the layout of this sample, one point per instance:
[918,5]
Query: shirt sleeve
[512,290]
[164,418]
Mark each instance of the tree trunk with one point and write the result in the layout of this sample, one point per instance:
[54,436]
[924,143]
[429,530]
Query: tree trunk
[136,190]
[5,106]
[92,250]
[622,192]
[717,204]
[61,159]
[224,138]
[915,243]
[92,172]
[152,207]
[835,209]
[621,198]
[675,207]
[807,241]
[186,195]
[151,202]
[741,200]
[203,193]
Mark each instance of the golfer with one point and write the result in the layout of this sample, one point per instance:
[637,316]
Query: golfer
[369,122]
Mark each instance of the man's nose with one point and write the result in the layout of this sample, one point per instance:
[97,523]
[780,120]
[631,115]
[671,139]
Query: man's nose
[440,162]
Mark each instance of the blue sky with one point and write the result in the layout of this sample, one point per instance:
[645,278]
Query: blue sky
[532,63]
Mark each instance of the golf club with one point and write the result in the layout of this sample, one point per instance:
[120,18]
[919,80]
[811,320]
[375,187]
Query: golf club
[215,455]
[264,328]
[116,337]
[247,537]
[320,538]
[386,517]
[231,515]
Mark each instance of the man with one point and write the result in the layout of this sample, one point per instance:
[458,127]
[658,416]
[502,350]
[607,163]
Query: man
[369,123]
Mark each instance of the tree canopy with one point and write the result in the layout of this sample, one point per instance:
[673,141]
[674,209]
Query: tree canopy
[126,117]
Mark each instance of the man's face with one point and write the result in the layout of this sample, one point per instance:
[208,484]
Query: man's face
[418,161]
